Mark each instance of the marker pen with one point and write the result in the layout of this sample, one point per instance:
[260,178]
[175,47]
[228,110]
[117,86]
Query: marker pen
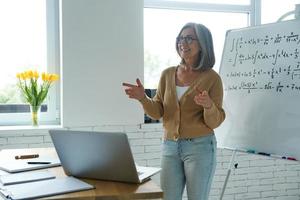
[264,154]
[250,151]
[29,156]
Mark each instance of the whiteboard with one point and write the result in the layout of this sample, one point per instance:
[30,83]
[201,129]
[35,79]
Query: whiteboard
[102,46]
[260,70]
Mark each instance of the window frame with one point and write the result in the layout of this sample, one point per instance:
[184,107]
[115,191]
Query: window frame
[53,101]
[253,9]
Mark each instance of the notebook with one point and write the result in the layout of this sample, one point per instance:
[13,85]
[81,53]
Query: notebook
[98,155]
[13,166]
[24,177]
[44,188]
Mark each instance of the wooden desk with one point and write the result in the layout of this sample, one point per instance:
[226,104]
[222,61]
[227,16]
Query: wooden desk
[107,190]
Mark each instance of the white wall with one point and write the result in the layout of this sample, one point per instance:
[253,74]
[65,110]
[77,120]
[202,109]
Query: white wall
[256,178]
[102,46]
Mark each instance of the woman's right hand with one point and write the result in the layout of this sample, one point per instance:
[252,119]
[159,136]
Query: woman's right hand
[135,91]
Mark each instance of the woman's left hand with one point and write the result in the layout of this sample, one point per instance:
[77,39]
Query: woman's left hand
[203,99]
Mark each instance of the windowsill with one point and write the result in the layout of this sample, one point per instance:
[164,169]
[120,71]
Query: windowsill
[18,128]
[28,130]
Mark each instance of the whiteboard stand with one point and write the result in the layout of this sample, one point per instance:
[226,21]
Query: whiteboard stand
[228,172]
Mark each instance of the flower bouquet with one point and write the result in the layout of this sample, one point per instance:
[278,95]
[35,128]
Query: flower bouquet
[35,90]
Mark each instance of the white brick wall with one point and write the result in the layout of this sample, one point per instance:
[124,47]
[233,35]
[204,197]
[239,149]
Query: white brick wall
[256,177]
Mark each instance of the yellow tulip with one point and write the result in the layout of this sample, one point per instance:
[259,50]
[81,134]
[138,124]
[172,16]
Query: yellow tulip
[29,74]
[56,77]
[44,76]
[53,77]
[50,77]
[23,76]
[47,77]
[36,75]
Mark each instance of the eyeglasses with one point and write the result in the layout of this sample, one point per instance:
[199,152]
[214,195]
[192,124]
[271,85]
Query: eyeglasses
[188,39]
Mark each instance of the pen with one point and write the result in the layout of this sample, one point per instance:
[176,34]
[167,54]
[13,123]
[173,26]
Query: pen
[290,158]
[38,162]
[27,156]
[264,154]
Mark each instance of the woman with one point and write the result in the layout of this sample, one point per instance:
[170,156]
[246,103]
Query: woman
[189,99]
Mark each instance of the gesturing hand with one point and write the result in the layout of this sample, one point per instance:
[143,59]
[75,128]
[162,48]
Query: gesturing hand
[135,91]
[203,99]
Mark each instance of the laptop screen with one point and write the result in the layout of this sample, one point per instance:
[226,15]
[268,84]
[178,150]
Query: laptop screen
[96,155]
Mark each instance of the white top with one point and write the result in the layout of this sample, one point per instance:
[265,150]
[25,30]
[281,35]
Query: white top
[180,90]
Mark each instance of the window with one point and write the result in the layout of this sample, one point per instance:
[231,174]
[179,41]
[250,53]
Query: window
[29,40]
[279,8]
[162,24]
[232,2]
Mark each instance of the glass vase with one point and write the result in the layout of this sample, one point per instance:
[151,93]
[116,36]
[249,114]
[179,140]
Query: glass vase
[35,114]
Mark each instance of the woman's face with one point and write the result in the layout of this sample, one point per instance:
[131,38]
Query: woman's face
[188,45]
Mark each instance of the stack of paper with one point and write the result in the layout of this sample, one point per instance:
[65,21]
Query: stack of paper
[17,178]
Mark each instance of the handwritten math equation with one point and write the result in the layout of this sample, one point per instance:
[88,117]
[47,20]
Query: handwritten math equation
[250,86]
[269,63]
[271,56]
[289,72]
[238,43]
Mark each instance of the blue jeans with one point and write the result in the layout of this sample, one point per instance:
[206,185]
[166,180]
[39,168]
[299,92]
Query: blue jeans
[189,162]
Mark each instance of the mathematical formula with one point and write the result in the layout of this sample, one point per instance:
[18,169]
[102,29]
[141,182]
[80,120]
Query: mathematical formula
[269,63]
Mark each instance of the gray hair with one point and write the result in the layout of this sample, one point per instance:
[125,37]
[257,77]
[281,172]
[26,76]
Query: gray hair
[206,55]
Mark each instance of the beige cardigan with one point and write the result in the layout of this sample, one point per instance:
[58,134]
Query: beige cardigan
[183,118]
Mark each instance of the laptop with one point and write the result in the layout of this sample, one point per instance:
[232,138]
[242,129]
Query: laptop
[98,155]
